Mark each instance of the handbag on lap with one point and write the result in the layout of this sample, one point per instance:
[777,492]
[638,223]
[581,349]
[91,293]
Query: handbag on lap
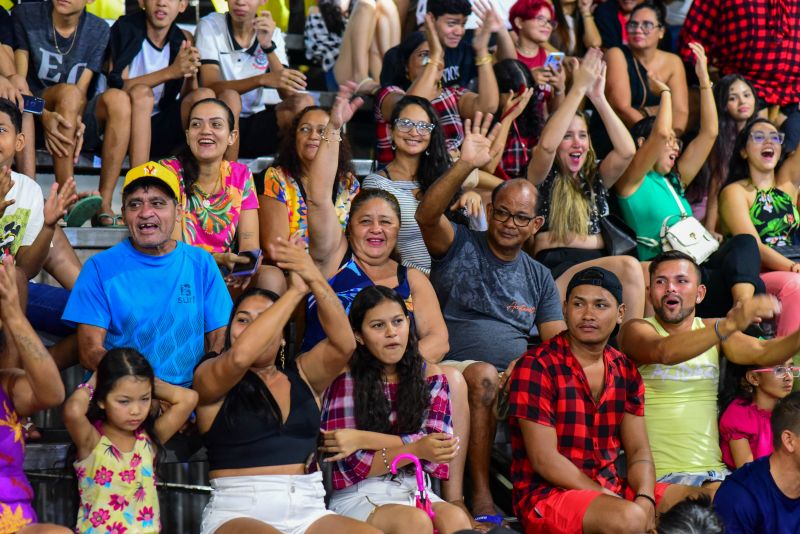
[688,235]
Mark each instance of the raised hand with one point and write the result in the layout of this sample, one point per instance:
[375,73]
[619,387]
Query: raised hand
[476,148]
[436,52]
[598,89]
[589,70]
[488,23]
[656,85]
[345,106]
[9,295]
[470,201]
[585,7]
[291,255]
[516,104]
[700,63]
[58,202]
[750,311]
[264,27]
[6,183]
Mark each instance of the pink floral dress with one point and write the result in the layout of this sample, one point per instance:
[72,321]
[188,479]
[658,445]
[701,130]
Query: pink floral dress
[118,489]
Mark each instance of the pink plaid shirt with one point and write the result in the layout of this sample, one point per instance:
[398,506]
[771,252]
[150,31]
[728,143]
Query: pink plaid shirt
[338,411]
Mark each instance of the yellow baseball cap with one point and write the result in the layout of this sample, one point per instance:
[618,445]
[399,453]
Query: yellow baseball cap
[152,169]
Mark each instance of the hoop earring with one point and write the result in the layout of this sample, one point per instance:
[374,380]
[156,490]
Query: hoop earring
[394,147]
[427,152]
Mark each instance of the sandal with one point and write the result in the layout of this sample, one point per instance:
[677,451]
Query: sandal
[30,430]
[115,220]
[82,211]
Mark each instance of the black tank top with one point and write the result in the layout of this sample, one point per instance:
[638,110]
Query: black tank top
[240,438]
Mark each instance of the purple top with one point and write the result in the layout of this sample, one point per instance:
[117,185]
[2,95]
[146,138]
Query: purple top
[16,493]
[744,420]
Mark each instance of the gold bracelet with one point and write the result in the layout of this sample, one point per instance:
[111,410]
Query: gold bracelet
[709,86]
[326,133]
[484,60]
[436,62]
[587,15]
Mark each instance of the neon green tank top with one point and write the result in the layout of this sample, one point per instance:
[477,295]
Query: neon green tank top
[681,411]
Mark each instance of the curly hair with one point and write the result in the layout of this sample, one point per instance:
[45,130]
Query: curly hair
[289,160]
[372,408]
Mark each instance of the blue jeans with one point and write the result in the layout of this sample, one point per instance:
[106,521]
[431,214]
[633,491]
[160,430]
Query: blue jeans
[45,306]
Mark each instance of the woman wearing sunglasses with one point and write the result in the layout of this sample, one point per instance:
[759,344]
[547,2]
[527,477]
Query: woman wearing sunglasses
[759,200]
[631,66]
[744,428]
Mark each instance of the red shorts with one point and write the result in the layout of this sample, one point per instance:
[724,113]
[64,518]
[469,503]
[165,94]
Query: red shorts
[562,511]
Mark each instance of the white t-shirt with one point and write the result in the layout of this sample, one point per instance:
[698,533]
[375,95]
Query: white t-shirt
[150,59]
[23,220]
[216,45]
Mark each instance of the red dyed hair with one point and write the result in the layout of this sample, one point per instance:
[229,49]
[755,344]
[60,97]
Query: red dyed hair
[527,9]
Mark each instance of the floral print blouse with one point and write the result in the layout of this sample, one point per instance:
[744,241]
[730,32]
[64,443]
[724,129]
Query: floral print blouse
[775,218]
[118,489]
[210,220]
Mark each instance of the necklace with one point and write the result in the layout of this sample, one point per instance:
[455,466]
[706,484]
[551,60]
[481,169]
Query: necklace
[74,38]
[527,52]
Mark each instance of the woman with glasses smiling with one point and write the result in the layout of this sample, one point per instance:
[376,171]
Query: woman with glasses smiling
[631,66]
[744,428]
[759,200]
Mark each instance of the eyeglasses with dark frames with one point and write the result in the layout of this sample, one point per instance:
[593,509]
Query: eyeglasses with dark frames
[521,220]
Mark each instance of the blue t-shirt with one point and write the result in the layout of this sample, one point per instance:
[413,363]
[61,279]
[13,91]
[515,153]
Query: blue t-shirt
[749,502]
[160,305]
[491,307]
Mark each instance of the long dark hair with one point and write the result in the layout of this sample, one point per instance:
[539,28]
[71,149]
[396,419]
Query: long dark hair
[739,169]
[289,160]
[561,35]
[191,169]
[250,394]
[513,75]
[715,170]
[372,408]
[335,20]
[117,364]
[735,385]
[435,161]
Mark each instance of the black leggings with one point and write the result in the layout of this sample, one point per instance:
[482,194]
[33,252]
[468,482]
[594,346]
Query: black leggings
[737,261]
[560,259]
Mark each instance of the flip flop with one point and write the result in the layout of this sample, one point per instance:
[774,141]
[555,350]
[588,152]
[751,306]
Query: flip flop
[495,519]
[97,217]
[83,210]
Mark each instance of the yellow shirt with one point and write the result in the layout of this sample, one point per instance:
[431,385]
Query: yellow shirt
[681,411]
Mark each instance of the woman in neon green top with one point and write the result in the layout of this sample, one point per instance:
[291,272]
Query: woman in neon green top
[651,189]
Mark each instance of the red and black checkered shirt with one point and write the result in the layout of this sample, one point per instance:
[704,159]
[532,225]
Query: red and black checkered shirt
[759,39]
[549,387]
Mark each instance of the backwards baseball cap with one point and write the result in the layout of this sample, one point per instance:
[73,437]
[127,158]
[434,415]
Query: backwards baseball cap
[154,171]
[597,276]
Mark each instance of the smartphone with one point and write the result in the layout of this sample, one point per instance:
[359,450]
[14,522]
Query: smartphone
[32,104]
[249,268]
[554,60]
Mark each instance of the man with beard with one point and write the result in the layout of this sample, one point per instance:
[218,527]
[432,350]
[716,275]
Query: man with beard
[679,359]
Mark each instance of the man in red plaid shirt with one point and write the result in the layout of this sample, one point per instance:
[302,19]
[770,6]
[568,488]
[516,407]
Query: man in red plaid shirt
[576,403]
[759,39]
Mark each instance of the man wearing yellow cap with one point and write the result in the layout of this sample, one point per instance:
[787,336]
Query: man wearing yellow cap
[150,292]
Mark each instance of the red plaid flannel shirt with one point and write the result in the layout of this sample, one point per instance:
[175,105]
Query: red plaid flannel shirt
[446,106]
[516,155]
[549,387]
[759,39]
[338,411]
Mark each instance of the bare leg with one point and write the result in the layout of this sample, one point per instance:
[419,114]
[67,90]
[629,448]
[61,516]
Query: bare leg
[336,524]
[353,61]
[65,352]
[246,525]
[113,111]
[629,272]
[450,518]
[387,35]
[453,488]
[402,13]
[68,101]
[41,528]
[400,519]
[26,159]
[483,384]
[195,96]
[287,110]
[62,263]
[142,104]
[743,291]
[234,101]
[612,515]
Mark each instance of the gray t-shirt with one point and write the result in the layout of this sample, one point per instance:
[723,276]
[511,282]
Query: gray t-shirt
[491,306]
[49,64]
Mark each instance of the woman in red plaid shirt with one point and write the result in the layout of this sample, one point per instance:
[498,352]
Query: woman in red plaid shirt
[390,402]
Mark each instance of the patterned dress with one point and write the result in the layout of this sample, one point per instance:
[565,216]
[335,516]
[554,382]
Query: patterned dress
[118,489]
[210,221]
[16,493]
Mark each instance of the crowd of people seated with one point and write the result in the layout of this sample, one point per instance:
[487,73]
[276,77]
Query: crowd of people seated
[581,224]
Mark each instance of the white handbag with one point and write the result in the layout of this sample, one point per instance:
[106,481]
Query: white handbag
[688,235]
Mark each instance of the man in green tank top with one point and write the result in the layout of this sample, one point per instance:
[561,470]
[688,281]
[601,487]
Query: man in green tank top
[679,359]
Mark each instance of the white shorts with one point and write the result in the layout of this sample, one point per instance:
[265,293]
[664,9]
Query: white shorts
[289,503]
[360,500]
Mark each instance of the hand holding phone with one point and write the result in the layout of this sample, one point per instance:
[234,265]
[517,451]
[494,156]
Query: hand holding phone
[554,60]
[249,268]
[32,104]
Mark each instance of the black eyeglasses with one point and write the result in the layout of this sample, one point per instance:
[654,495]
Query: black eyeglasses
[645,26]
[520,220]
[774,137]
[780,371]
[422,127]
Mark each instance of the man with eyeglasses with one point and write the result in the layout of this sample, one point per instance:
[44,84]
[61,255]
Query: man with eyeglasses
[764,495]
[679,357]
[493,296]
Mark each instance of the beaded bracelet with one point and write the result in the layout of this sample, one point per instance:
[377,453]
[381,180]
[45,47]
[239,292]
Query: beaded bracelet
[326,133]
[88,387]
[386,460]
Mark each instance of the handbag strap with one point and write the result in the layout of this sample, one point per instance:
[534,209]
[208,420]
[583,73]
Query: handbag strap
[675,196]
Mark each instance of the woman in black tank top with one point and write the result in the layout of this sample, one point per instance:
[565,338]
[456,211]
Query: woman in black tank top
[259,415]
